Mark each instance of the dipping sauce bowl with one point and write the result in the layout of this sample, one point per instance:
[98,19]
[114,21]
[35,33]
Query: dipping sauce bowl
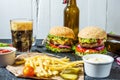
[7,55]
[97,65]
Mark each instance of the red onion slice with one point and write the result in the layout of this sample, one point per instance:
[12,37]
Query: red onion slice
[64,46]
[100,48]
[78,46]
[118,60]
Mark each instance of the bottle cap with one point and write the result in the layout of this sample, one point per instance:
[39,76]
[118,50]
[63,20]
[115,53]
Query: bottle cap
[64,1]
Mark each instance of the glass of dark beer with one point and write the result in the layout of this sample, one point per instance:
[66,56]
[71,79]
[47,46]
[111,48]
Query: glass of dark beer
[21,30]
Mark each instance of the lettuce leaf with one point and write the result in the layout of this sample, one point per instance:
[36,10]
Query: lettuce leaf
[4,45]
[84,40]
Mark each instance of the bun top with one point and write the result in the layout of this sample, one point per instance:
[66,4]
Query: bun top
[92,32]
[62,31]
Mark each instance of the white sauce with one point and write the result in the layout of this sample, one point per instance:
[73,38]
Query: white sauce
[97,60]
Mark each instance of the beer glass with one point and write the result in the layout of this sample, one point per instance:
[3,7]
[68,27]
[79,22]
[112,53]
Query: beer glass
[21,30]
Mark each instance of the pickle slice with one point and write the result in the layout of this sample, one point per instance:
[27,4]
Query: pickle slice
[72,71]
[69,76]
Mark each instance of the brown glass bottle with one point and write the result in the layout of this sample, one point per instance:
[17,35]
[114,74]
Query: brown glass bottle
[71,16]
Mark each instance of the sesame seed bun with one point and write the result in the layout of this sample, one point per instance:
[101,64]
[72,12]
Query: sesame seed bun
[92,32]
[62,31]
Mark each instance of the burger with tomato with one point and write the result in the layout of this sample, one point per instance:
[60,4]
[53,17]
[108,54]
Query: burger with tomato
[91,40]
[60,39]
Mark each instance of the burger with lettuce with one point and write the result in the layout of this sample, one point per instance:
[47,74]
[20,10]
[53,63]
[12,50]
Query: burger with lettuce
[91,40]
[60,39]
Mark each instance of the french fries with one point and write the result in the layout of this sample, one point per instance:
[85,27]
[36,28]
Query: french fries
[46,66]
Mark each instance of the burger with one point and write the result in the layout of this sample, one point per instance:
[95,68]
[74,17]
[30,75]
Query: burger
[91,40]
[60,39]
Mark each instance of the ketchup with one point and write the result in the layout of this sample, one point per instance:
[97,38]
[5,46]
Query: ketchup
[2,51]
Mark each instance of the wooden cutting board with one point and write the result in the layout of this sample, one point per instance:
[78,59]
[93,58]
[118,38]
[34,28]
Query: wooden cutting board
[18,70]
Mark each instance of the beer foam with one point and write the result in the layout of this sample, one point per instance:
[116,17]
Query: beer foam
[21,25]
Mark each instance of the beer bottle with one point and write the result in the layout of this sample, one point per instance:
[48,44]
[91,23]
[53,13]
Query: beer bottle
[71,16]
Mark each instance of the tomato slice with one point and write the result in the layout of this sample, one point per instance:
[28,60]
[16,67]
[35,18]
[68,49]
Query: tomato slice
[4,50]
[92,50]
[54,46]
[28,71]
[79,49]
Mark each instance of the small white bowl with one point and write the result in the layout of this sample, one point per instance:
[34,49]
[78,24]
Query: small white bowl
[7,58]
[97,65]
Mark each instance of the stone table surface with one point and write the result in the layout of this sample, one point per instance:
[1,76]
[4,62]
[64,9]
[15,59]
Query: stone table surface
[6,75]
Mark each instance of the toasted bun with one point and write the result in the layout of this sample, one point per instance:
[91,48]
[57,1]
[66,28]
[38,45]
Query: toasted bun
[92,32]
[62,32]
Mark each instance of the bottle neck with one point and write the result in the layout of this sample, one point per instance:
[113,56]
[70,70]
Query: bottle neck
[71,3]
